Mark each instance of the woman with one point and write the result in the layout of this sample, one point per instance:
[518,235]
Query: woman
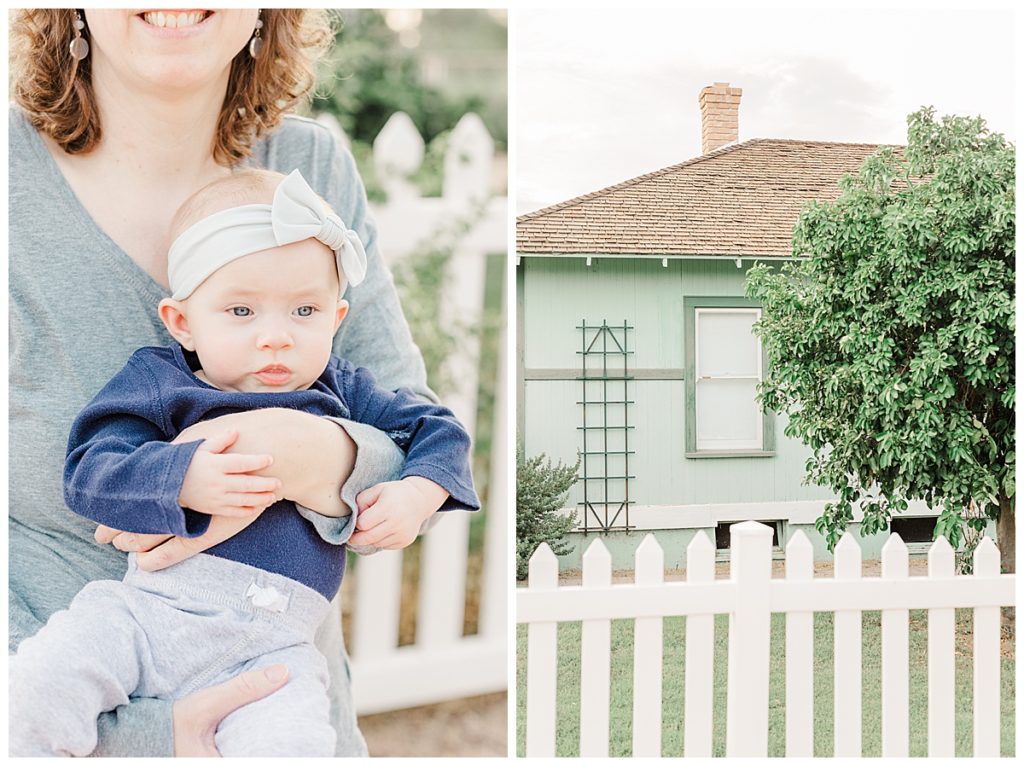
[120,117]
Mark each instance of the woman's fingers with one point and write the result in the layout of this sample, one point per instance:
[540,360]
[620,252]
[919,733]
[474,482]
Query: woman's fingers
[180,548]
[197,716]
[129,541]
[169,553]
[104,534]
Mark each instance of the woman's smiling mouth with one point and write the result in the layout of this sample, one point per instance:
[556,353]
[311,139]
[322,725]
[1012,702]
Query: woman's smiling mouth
[171,19]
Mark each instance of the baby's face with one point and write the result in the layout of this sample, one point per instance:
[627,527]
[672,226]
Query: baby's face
[265,322]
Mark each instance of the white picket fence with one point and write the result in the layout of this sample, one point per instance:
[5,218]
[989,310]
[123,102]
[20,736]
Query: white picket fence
[750,597]
[442,664]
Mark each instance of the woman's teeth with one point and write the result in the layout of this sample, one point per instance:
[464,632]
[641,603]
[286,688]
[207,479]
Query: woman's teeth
[174,20]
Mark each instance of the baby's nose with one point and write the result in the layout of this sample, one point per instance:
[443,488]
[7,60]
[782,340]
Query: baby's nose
[274,338]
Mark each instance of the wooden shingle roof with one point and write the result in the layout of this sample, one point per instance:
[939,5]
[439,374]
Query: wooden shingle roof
[740,200]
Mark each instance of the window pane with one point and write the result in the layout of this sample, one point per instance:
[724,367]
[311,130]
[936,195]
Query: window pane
[727,415]
[726,346]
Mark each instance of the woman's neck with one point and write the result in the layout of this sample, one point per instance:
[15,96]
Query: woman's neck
[166,135]
[155,150]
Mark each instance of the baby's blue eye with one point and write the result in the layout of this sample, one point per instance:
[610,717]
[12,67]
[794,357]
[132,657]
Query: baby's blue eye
[305,311]
[240,311]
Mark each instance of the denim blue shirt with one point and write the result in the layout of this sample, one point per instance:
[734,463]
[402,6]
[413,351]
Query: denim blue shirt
[122,471]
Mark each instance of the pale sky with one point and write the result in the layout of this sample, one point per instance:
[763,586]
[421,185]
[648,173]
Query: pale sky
[606,95]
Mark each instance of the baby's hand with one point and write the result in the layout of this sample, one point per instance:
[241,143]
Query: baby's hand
[390,514]
[221,484]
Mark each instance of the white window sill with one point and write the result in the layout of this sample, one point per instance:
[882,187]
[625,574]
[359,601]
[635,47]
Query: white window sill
[730,453]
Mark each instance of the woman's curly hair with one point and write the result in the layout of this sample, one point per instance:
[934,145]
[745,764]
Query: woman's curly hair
[56,93]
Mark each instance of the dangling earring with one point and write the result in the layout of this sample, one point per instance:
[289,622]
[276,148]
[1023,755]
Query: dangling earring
[79,45]
[256,43]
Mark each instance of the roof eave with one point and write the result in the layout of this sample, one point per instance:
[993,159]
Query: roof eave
[661,256]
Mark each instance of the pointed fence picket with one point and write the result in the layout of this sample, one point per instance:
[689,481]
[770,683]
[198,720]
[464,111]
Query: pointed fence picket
[647,652]
[442,663]
[749,597]
[746,727]
[800,654]
[895,657]
[595,659]
[847,655]
[941,640]
[986,658]
[700,653]
[542,660]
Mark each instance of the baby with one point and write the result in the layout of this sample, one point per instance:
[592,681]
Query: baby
[256,300]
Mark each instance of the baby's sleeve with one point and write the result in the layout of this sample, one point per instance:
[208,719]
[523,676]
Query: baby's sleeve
[120,468]
[436,445]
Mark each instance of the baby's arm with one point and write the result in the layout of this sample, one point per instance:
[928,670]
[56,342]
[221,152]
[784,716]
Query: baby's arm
[122,472]
[435,474]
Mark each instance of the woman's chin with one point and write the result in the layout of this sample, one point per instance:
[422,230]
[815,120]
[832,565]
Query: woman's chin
[171,50]
[170,78]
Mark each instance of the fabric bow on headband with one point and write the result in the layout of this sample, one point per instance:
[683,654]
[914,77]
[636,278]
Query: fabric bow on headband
[296,214]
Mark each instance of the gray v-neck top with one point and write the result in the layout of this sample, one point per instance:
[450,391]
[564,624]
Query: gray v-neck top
[79,307]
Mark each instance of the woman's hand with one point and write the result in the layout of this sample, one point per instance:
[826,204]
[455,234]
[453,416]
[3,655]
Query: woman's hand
[161,551]
[197,716]
[312,456]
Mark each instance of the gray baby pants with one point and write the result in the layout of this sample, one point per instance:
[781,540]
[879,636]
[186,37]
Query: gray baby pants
[167,634]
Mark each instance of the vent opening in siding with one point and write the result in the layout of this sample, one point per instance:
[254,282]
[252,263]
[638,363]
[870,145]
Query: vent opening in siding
[722,536]
[913,529]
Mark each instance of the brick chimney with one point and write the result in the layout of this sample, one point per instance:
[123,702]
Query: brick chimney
[719,116]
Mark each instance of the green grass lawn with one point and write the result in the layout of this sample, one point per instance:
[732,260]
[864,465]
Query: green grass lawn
[568,691]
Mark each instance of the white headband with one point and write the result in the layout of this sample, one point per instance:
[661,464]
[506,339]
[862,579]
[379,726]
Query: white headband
[297,214]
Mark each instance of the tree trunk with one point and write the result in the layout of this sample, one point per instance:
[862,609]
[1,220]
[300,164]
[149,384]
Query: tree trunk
[1006,530]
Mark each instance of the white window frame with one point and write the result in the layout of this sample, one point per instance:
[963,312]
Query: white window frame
[736,445]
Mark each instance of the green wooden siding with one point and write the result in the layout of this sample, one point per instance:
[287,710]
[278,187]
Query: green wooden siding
[558,294]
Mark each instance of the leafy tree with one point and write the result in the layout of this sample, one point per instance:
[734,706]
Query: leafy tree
[541,489]
[890,341]
[370,75]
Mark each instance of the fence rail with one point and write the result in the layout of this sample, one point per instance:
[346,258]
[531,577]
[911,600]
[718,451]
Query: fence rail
[749,597]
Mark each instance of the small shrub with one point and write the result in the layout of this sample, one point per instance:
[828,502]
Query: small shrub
[975,522]
[541,489]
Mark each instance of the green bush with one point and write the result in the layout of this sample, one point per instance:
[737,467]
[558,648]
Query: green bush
[541,489]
